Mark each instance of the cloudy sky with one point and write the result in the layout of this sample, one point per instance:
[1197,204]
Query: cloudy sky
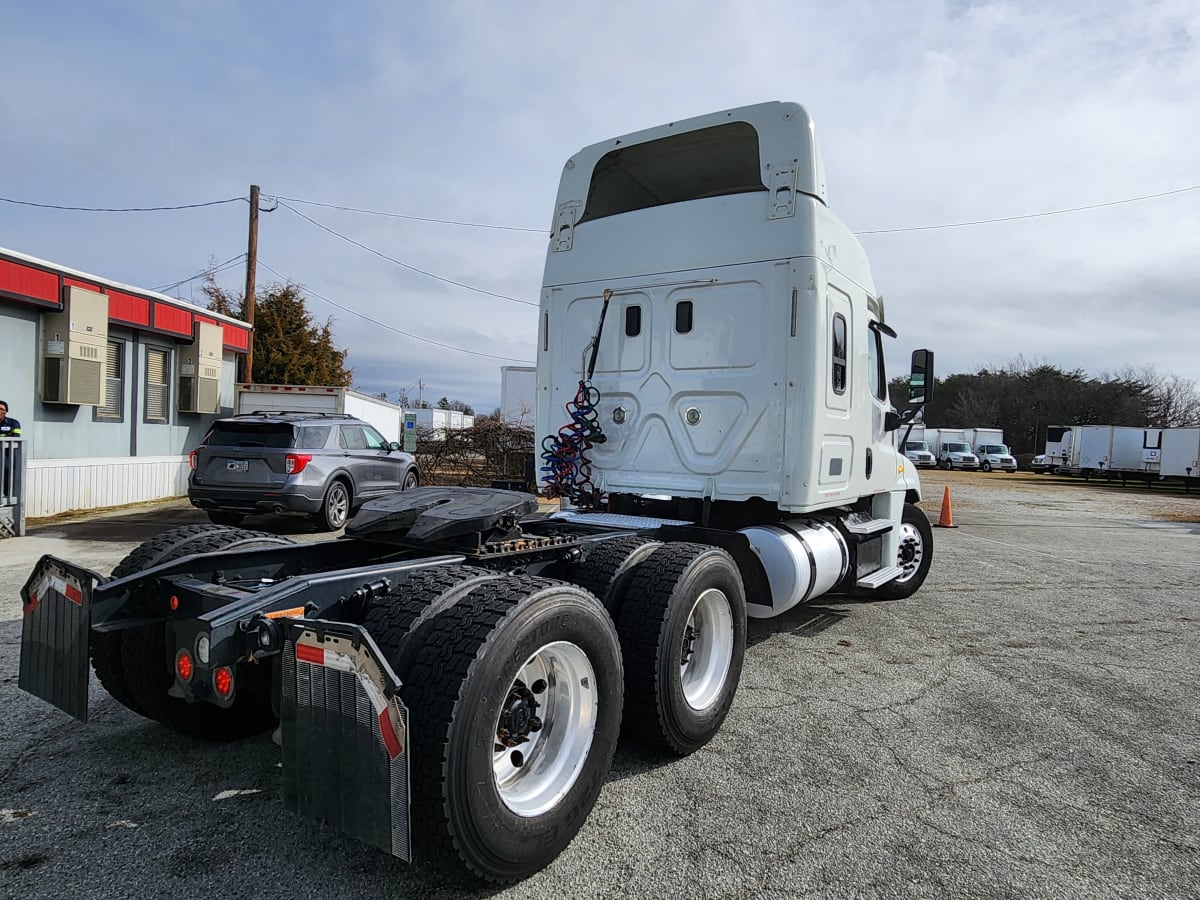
[929,113]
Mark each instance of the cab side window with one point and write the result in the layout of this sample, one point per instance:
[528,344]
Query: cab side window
[876,376]
[839,354]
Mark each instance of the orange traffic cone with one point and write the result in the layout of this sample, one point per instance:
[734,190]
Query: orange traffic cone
[946,519]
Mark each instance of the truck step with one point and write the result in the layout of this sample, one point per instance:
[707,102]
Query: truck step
[880,577]
[868,526]
[612,520]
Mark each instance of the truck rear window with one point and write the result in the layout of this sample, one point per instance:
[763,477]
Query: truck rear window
[710,162]
[250,434]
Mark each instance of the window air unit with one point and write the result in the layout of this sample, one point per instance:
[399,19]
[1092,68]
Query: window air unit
[200,371]
[74,349]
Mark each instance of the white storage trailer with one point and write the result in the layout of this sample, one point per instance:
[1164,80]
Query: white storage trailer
[385,417]
[1180,453]
[1098,449]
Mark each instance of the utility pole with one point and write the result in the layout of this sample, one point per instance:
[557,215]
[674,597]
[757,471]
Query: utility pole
[420,394]
[251,267]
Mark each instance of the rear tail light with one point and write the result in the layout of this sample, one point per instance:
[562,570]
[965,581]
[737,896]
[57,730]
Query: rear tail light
[183,666]
[223,682]
[192,460]
[294,463]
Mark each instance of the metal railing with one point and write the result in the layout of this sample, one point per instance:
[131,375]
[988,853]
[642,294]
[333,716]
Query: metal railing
[12,487]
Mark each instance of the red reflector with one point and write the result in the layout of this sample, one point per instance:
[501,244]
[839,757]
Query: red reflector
[311,654]
[174,603]
[223,681]
[74,594]
[294,463]
[388,730]
[31,605]
[183,666]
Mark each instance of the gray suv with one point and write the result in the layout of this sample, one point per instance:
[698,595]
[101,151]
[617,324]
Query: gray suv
[321,465]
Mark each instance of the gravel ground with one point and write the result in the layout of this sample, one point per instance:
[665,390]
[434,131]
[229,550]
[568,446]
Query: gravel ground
[1026,725]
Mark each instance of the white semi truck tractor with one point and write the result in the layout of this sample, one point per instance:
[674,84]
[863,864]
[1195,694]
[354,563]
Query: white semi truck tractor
[451,676]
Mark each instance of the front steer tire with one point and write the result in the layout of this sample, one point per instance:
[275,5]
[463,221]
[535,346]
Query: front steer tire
[470,803]
[915,556]
[683,639]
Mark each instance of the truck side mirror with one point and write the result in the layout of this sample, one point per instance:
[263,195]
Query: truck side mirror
[920,380]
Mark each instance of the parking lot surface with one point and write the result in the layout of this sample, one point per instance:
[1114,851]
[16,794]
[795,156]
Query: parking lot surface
[1027,725]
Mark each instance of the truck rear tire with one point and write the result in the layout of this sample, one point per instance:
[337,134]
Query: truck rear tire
[107,647]
[609,567]
[148,676]
[515,707]
[916,553]
[398,620]
[683,637]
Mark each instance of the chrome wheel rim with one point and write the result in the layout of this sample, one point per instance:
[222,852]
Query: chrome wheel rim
[544,730]
[339,505]
[707,651]
[912,549]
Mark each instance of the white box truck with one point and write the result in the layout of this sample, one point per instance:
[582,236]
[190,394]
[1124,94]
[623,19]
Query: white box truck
[989,447]
[385,417]
[953,450]
[917,448]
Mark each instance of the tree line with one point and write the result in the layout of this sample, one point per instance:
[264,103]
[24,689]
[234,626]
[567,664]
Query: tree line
[1025,397]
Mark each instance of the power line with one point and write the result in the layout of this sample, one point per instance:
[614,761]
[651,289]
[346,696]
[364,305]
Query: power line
[220,267]
[123,208]
[409,334]
[1036,215]
[393,215]
[405,265]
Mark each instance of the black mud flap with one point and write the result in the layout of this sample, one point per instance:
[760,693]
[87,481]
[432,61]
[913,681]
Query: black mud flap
[345,735]
[55,627]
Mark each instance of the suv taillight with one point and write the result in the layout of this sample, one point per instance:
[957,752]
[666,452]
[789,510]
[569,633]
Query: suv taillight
[192,460]
[294,463]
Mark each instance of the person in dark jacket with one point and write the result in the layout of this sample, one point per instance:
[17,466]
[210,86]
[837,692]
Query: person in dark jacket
[9,427]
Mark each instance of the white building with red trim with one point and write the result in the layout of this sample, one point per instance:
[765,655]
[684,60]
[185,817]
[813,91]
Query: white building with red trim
[113,384]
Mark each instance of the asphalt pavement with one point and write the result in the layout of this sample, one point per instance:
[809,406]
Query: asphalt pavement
[1028,724]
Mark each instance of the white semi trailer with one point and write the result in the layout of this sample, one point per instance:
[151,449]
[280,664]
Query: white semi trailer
[712,393]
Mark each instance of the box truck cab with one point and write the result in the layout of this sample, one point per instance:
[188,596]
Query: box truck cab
[995,457]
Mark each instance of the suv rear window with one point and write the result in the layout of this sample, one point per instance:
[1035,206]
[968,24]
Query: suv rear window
[250,434]
[313,437]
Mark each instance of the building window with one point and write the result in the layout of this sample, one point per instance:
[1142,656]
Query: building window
[158,369]
[113,407]
[839,354]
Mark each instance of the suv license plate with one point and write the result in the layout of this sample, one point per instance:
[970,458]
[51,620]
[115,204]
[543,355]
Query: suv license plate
[237,465]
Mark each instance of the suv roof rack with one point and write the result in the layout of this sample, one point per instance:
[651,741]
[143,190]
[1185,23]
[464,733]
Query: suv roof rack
[306,414]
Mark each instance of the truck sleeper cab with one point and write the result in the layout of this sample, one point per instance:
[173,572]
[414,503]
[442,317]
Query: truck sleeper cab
[712,399]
